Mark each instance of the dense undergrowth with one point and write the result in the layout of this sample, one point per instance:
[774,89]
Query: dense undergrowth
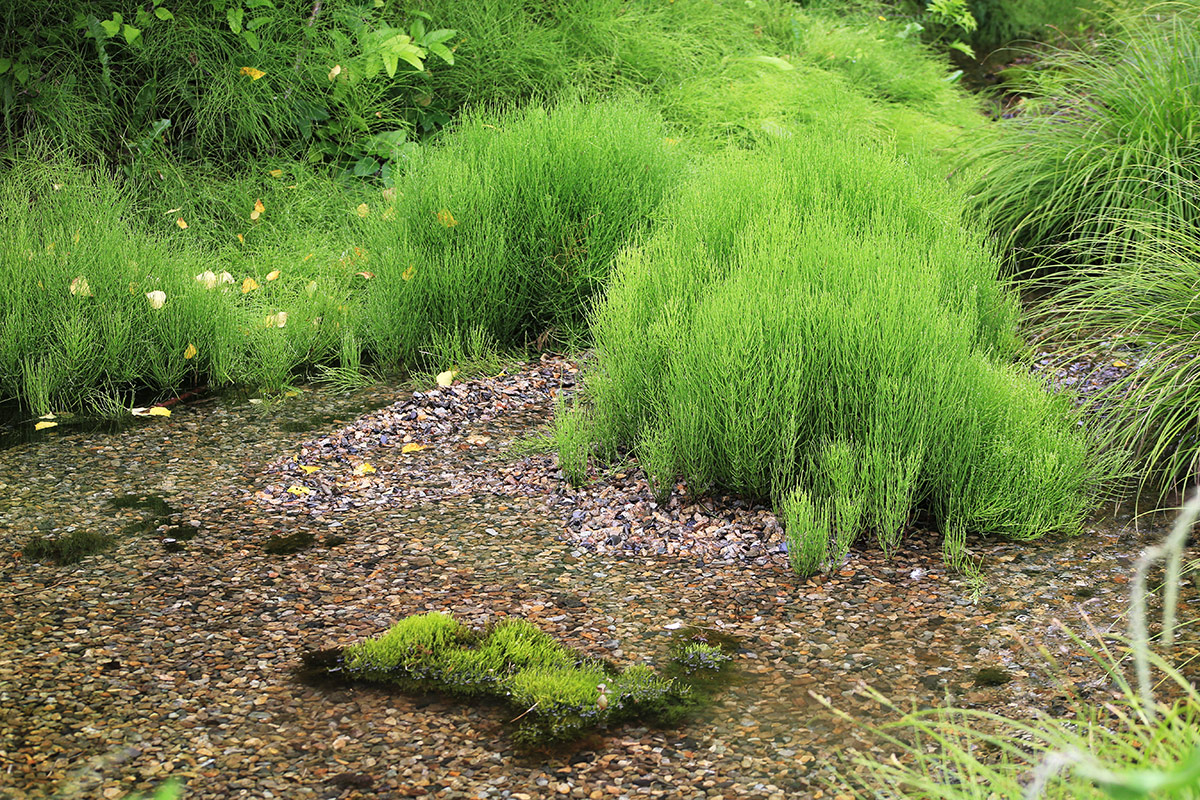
[812,325]
[1092,189]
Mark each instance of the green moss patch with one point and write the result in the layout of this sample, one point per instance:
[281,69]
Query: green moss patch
[67,549]
[290,544]
[555,694]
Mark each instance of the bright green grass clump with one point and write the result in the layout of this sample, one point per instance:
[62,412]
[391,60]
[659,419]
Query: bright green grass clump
[561,694]
[96,300]
[511,223]
[813,316]
[1110,140]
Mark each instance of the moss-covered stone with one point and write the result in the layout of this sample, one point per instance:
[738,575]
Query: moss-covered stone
[556,694]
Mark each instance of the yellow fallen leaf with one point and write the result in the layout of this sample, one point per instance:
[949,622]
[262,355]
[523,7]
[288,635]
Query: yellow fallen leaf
[364,469]
[159,411]
[446,218]
[412,447]
[306,258]
[157,298]
[363,209]
[41,426]
[291,393]
[337,70]
[241,239]
[389,213]
[79,286]
[478,440]
[446,378]
[254,74]
[408,273]
[299,491]
[249,285]
[259,208]
[190,352]
[276,173]
[1120,364]
[171,211]
[181,223]
[309,470]
[273,275]
[365,274]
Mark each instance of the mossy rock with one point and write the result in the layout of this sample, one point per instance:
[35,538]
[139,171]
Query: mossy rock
[556,694]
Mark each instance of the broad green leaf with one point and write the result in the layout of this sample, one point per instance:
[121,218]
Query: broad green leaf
[5,65]
[163,14]
[418,30]
[252,39]
[442,52]
[390,63]
[112,26]
[130,33]
[438,36]
[234,17]
[365,166]
[257,23]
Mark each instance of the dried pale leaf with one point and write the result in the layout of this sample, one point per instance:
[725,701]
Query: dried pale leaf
[226,278]
[157,298]
[138,411]
[412,447]
[255,401]
[478,440]
[171,211]
[79,286]
[254,74]
[308,469]
[159,411]
[208,278]
[363,209]
[190,352]
[273,275]
[249,285]
[365,274]
[299,491]
[41,426]
[364,469]
[337,70]
[181,223]
[47,416]
[446,378]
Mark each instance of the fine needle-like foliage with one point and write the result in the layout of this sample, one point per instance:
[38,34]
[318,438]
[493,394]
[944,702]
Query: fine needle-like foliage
[812,326]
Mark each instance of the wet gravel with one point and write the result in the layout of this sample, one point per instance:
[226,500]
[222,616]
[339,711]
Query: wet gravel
[145,662]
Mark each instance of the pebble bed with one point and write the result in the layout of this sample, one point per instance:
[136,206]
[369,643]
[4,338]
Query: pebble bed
[175,658]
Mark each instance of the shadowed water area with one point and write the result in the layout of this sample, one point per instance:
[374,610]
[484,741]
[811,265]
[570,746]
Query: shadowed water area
[146,660]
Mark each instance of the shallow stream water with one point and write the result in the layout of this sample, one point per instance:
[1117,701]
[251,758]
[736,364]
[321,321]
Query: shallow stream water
[144,661]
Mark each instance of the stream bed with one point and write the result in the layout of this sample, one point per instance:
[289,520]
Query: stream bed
[165,656]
